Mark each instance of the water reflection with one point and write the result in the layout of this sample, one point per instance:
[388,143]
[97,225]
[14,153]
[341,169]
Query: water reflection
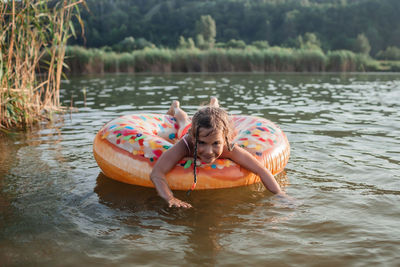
[126,197]
[216,214]
[344,134]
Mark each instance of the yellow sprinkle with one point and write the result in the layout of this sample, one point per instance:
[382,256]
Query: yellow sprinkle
[105,135]
[152,144]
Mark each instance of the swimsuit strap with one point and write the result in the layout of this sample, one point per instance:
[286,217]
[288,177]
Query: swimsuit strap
[186,143]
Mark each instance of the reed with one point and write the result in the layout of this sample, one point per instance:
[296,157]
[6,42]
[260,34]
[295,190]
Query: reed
[187,60]
[29,31]
[310,60]
[77,58]
[341,61]
[250,59]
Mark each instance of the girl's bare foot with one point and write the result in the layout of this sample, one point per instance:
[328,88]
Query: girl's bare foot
[172,110]
[181,116]
[214,102]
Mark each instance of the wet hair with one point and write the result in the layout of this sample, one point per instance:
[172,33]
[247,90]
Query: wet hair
[214,118]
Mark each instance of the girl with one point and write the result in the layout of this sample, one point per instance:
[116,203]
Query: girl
[206,137]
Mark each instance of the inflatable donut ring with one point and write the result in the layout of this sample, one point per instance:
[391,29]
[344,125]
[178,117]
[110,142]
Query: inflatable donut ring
[127,148]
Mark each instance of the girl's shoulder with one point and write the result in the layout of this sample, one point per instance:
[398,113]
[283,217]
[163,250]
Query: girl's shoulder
[189,144]
[227,152]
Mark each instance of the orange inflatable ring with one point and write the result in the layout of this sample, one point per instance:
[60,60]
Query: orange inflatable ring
[126,149]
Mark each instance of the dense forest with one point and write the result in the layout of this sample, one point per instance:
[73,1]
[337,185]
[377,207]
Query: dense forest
[335,24]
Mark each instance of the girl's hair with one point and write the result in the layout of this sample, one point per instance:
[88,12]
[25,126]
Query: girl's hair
[214,118]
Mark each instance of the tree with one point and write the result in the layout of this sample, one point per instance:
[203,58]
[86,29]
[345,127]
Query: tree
[391,53]
[308,41]
[186,44]
[200,42]
[182,43]
[126,45]
[362,45]
[206,27]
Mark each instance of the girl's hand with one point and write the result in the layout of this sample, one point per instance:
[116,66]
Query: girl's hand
[283,200]
[174,202]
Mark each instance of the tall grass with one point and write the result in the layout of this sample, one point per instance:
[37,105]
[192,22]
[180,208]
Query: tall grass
[344,61]
[31,32]
[274,59]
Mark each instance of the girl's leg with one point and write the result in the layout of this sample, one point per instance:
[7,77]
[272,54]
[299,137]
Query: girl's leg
[181,116]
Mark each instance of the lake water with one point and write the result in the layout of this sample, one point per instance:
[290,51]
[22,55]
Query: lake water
[57,208]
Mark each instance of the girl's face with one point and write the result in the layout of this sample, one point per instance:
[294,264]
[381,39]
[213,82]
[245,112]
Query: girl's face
[210,144]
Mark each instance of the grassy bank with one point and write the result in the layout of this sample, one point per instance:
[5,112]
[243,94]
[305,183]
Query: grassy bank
[275,59]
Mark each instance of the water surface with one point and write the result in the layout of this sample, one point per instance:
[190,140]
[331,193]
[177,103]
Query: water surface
[57,208]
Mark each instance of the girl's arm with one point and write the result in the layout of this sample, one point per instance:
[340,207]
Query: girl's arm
[248,161]
[163,165]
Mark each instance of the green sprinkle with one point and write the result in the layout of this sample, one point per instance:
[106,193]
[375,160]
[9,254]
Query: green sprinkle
[166,147]
[126,138]
[140,137]
[187,164]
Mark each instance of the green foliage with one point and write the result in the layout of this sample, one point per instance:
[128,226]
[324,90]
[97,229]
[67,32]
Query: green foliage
[362,45]
[344,60]
[240,44]
[126,45]
[335,23]
[186,44]
[310,60]
[394,66]
[201,43]
[206,28]
[129,44]
[308,41]
[390,53]
[76,57]
[249,59]
[260,44]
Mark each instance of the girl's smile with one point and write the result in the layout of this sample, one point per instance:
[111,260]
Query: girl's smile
[210,144]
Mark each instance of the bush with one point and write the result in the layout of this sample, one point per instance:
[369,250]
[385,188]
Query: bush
[236,44]
[260,44]
[391,53]
[129,44]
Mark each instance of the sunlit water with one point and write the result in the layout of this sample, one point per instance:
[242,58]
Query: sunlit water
[56,208]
